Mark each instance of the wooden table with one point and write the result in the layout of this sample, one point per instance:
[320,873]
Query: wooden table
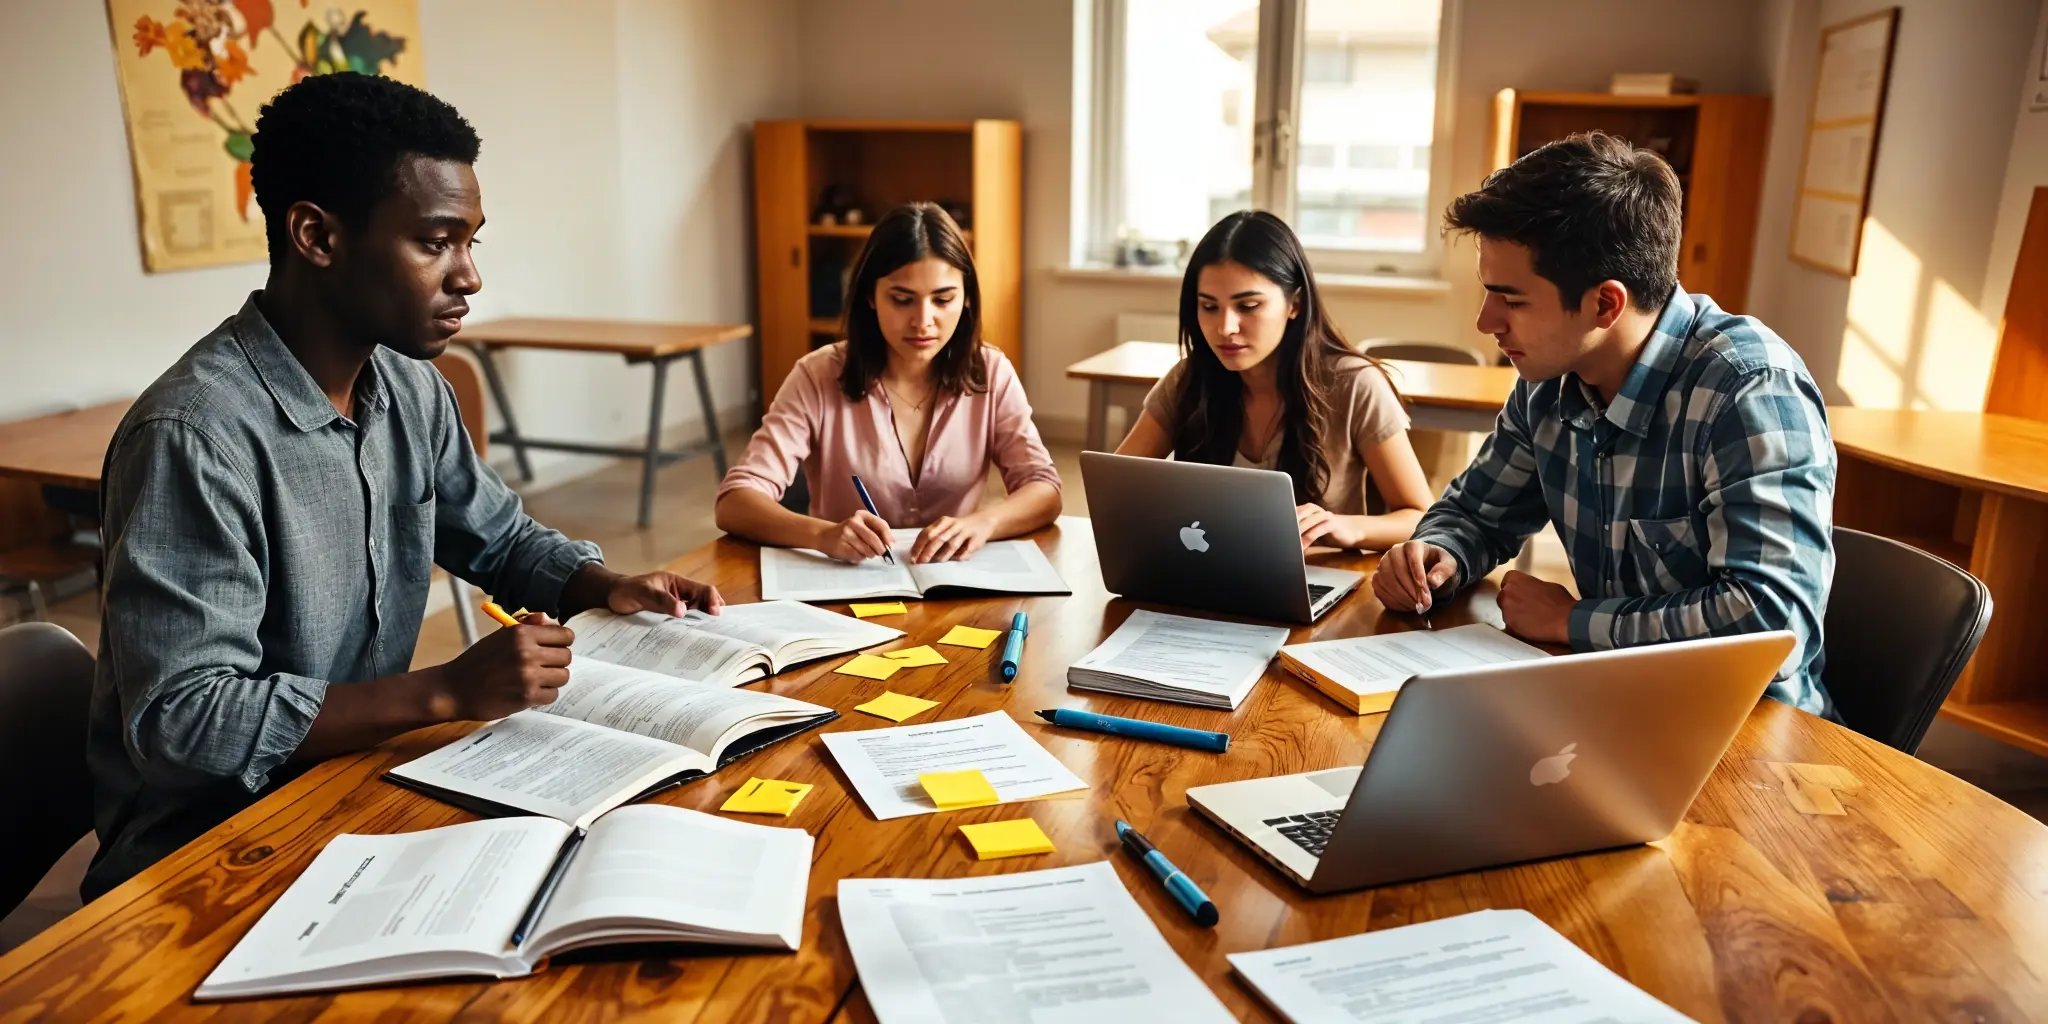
[656,344]
[1819,876]
[65,449]
[1972,488]
[1441,396]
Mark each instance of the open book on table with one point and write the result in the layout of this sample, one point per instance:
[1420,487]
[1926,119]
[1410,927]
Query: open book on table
[1363,673]
[744,643]
[1006,566]
[445,902]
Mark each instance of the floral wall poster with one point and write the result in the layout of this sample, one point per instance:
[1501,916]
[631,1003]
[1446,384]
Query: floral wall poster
[194,73]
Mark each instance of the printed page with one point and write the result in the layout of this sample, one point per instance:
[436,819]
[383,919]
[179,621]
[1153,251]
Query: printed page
[792,631]
[550,764]
[1065,945]
[1008,566]
[664,644]
[801,574]
[1492,965]
[883,764]
[712,878]
[1381,662]
[409,895]
[1202,655]
[687,714]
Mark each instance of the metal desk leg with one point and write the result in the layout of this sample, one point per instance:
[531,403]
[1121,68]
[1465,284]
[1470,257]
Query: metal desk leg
[1098,416]
[710,412]
[653,455]
[497,385]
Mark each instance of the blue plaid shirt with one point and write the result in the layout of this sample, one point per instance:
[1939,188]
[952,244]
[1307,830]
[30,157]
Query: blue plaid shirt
[1700,502]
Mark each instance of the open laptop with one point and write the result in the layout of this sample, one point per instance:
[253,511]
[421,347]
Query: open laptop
[1491,765]
[1215,537]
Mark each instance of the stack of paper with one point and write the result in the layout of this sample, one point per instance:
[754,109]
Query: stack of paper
[1493,965]
[884,764]
[1172,657]
[1364,672]
[1065,944]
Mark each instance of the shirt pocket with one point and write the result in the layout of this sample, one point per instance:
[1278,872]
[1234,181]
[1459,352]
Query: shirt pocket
[412,541]
[1666,555]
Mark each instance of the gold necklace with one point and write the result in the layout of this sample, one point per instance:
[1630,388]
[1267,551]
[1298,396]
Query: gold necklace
[898,395]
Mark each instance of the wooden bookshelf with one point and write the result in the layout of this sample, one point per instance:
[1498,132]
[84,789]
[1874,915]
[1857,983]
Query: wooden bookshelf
[882,164]
[1713,142]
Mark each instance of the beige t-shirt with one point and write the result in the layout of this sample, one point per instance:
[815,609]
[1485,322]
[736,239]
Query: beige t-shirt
[1364,410]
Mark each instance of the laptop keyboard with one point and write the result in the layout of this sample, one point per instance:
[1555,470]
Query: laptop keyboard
[1318,591]
[1311,831]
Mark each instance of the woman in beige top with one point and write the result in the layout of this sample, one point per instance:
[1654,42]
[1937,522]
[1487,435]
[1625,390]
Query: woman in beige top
[912,402]
[1265,380]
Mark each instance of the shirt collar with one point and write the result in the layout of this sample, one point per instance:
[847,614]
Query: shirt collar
[1642,391]
[297,395]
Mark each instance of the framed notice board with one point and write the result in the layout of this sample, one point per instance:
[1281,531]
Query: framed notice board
[1842,125]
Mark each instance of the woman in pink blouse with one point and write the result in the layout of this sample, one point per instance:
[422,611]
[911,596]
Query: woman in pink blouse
[912,402]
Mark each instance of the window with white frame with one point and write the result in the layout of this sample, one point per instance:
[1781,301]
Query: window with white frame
[1324,111]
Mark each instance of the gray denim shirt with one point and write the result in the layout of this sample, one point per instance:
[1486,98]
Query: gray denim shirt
[260,548]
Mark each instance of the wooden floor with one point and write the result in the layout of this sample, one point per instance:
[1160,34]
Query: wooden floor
[600,507]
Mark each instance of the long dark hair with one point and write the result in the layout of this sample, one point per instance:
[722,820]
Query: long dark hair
[904,235]
[1209,411]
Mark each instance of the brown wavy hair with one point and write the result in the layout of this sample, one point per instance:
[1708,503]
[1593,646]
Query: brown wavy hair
[1208,417]
[904,235]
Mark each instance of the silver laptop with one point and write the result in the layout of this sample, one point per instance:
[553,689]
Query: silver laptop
[1486,766]
[1215,537]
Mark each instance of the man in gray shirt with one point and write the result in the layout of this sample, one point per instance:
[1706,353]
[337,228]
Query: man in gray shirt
[276,501]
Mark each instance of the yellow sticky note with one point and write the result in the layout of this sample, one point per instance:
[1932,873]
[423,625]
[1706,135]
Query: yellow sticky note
[953,790]
[1017,838]
[869,611]
[766,796]
[968,636]
[896,707]
[867,666]
[916,657]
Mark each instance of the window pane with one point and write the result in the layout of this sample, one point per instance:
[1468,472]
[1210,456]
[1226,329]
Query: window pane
[1188,83]
[1381,114]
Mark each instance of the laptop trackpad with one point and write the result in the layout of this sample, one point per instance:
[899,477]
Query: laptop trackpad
[1337,782]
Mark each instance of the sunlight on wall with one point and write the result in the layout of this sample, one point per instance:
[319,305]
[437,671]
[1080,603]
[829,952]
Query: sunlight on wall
[1911,342]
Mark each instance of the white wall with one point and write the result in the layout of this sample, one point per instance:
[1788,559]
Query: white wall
[614,169]
[998,58]
[1917,326]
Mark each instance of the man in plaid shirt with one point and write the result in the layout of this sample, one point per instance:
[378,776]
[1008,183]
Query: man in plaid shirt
[1680,451]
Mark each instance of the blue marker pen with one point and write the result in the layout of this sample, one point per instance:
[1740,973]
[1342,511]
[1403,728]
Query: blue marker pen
[1183,889]
[1013,648]
[1138,729]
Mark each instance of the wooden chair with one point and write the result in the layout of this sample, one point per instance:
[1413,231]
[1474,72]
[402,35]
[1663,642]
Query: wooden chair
[45,689]
[465,376]
[1900,626]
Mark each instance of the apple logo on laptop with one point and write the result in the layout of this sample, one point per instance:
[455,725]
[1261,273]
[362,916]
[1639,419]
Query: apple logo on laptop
[1553,768]
[1191,537]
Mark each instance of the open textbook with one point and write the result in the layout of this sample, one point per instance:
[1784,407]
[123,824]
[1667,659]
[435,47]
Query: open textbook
[744,643]
[1060,946]
[444,902]
[1364,672]
[1203,662]
[613,734]
[1490,965]
[1007,566]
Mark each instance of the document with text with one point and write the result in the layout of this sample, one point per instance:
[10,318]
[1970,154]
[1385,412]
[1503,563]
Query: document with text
[1205,662]
[1004,566]
[883,764]
[1364,672]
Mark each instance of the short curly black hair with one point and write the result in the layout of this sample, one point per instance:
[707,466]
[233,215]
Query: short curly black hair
[336,141]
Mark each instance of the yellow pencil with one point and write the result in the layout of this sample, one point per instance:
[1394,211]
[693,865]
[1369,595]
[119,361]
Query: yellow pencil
[504,618]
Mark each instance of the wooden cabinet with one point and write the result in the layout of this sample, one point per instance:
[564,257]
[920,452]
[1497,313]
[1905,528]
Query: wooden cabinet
[875,165]
[1715,143]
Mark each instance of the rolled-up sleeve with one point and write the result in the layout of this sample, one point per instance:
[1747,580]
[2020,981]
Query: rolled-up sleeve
[482,532]
[186,582]
[1014,445]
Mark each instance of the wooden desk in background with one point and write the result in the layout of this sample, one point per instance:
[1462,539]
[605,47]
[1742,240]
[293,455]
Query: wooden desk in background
[656,344]
[1441,396]
[1973,488]
[1818,876]
[65,448]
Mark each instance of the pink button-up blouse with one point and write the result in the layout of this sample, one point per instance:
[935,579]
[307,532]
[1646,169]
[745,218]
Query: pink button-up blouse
[812,424]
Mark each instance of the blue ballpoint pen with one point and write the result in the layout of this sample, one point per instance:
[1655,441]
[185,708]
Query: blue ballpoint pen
[1183,889]
[862,490]
[1138,729]
[1013,648]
